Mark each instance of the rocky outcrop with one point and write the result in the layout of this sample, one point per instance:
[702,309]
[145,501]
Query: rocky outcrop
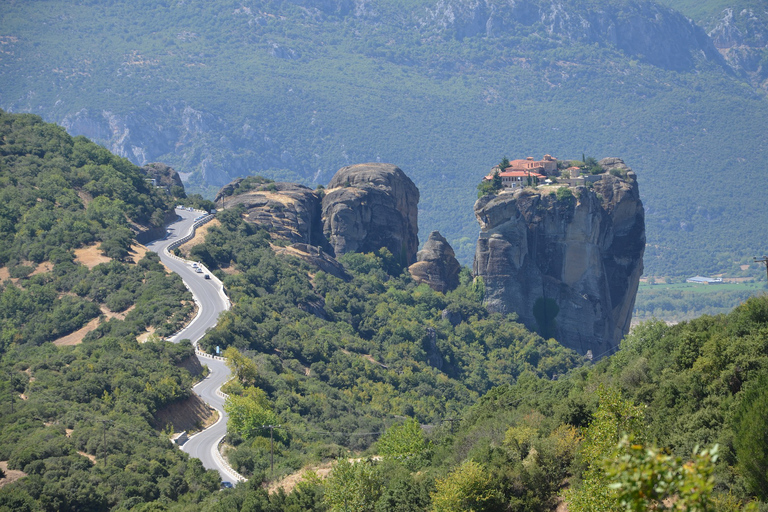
[648,31]
[568,264]
[287,210]
[370,206]
[164,175]
[741,36]
[436,264]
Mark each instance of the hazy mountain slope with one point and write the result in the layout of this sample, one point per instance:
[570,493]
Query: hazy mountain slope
[442,89]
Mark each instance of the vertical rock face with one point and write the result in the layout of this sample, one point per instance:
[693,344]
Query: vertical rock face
[370,206]
[567,264]
[287,210]
[436,264]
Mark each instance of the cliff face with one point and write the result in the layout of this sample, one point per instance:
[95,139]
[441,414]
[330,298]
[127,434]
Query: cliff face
[436,264]
[287,210]
[370,206]
[569,267]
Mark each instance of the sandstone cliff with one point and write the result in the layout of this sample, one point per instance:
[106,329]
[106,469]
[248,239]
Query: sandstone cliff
[567,264]
[436,264]
[287,210]
[370,206]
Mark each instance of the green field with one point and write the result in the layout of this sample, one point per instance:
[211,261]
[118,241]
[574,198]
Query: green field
[676,302]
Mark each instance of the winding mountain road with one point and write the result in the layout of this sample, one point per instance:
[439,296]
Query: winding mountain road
[211,302]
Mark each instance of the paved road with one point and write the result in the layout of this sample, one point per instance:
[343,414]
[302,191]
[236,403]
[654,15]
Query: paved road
[211,303]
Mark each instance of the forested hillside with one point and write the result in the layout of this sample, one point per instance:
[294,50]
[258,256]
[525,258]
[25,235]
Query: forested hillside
[465,410]
[442,89]
[338,360]
[77,420]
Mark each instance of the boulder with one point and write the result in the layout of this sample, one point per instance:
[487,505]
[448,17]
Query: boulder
[370,206]
[164,175]
[436,264]
[568,267]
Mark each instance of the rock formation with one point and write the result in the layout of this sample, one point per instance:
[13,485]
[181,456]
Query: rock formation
[316,257]
[164,175]
[567,264]
[287,210]
[436,264]
[370,206]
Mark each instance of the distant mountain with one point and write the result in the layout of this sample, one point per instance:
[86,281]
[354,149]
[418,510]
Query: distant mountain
[443,89]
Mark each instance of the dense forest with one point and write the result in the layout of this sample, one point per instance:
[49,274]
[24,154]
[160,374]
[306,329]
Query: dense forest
[296,90]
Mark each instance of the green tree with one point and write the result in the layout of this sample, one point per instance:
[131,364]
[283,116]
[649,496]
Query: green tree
[243,367]
[751,436]
[352,486]
[615,418]
[467,488]
[647,478]
[249,413]
[404,443]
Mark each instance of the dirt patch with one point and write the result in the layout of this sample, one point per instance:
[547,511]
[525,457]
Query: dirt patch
[85,196]
[5,274]
[288,483]
[137,253]
[111,314]
[199,237]
[42,268]
[88,456]
[90,256]
[11,475]
[145,336]
[76,337]
[190,415]
[737,279]
[68,432]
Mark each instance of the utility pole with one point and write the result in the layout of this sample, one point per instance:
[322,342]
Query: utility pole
[763,260]
[271,446]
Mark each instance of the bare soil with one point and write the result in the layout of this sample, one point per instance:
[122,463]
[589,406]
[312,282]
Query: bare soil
[42,268]
[190,415]
[88,456]
[289,482]
[199,237]
[145,336]
[11,475]
[90,255]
